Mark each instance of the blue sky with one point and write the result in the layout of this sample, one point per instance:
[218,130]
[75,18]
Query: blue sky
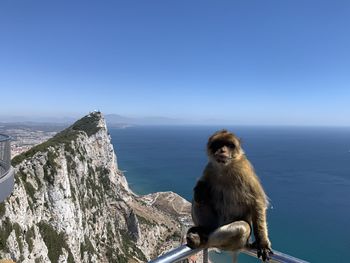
[242,62]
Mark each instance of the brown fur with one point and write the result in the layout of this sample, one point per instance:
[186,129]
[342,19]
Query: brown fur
[228,200]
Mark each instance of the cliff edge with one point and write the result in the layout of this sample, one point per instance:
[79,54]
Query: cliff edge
[72,204]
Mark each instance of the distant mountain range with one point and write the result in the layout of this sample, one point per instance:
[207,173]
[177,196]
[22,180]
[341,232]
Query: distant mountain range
[113,120]
[36,119]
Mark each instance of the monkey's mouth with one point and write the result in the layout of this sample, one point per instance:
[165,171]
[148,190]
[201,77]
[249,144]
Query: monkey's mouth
[222,158]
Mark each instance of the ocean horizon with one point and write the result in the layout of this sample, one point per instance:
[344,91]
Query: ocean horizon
[305,172]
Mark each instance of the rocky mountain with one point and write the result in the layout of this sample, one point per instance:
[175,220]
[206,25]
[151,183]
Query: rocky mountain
[72,204]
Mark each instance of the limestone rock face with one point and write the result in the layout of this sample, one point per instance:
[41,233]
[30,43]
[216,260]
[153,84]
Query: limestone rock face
[72,204]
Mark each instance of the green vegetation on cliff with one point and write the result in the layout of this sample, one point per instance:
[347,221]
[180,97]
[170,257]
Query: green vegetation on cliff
[88,125]
[2,209]
[55,242]
[30,235]
[5,231]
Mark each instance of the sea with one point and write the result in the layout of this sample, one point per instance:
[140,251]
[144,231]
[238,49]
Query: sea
[305,172]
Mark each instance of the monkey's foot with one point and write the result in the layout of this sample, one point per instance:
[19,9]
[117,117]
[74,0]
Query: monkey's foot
[197,237]
[263,250]
[264,253]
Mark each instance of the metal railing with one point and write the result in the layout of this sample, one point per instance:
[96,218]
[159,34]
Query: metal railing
[183,252]
[5,154]
[6,171]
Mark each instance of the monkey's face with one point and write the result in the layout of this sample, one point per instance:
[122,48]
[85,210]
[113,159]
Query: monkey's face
[223,148]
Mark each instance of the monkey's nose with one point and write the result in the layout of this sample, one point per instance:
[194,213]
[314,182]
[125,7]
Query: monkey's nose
[223,150]
[219,152]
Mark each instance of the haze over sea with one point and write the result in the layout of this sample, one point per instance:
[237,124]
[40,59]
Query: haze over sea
[304,170]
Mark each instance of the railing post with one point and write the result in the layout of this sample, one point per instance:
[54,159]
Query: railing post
[234,257]
[205,256]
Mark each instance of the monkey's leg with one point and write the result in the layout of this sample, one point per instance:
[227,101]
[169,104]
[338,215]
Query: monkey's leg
[204,215]
[232,236]
[205,220]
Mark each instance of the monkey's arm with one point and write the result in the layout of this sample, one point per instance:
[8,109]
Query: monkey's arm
[262,242]
[203,213]
[201,192]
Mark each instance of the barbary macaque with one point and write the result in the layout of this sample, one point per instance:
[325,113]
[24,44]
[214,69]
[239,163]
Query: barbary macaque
[229,201]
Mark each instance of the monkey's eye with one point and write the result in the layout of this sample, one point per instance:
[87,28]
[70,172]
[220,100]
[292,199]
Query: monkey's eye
[231,145]
[216,145]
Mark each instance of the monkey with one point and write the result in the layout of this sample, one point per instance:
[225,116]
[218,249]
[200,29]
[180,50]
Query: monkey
[229,201]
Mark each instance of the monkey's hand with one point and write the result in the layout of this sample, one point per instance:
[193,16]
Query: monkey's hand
[201,192]
[263,249]
[197,237]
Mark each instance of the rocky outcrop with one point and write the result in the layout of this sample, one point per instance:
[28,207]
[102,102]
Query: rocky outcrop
[72,204]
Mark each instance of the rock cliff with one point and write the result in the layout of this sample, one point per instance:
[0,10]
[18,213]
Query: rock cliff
[72,204]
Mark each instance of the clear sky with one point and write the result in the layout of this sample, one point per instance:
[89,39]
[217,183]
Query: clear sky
[244,62]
